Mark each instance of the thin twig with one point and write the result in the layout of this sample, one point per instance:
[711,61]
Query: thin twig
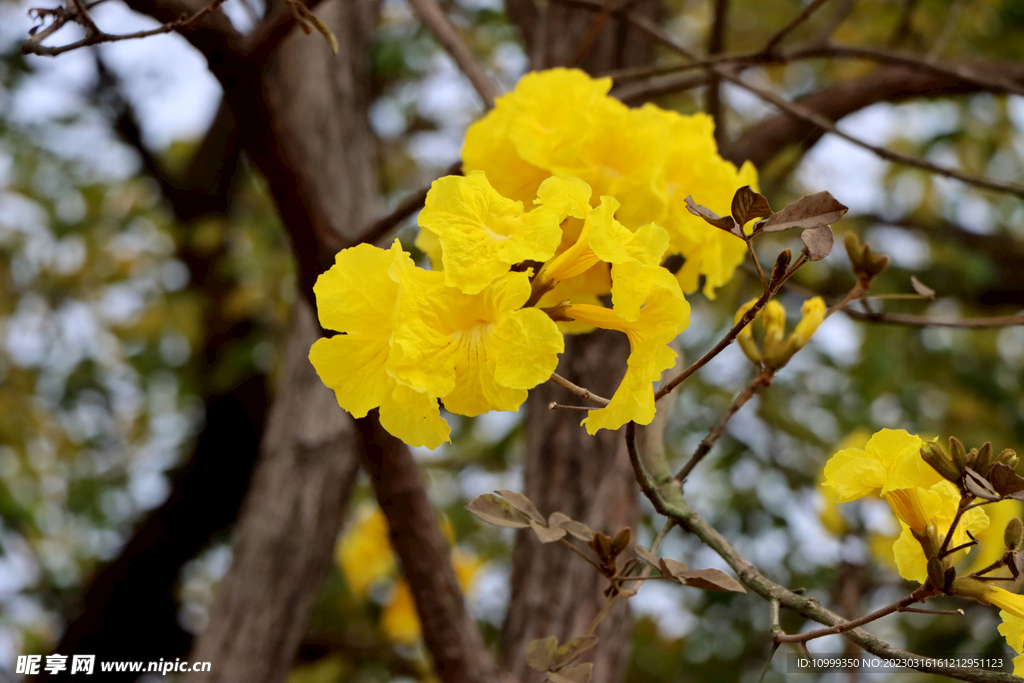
[94,36]
[585,394]
[919,595]
[923,321]
[434,19]
[763,379]
[731,335]
[922,610]
[576,550]
[562,406]
[788,28]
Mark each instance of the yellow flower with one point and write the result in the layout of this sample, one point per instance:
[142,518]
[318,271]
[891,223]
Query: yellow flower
[1011,603]
[364,554]
[561,122]
[917,508]
[635,258]
[693,167]
[890,460]
[482,234]
[1012,628]
[663,315]
[476,352]
[359,296]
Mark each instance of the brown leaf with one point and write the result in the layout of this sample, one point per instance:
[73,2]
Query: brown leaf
[747,205]
[711,580]
[577,529]
[922,289]
[540,654]
[574,674]
[1005,480]
[497,511]
[621,541]
[819,241]
[808,212]
[724,222]
[547,534]
[671,568]
[645,555]
[521,502]
[980,486]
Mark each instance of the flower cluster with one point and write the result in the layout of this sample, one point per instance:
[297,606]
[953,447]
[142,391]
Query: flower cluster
[563,123]
[891,464]
[471,335]
[927,505]
[777,348]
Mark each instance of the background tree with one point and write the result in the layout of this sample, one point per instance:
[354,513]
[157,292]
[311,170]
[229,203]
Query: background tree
[214,314]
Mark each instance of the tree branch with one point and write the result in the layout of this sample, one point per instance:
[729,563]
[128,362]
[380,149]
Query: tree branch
[435,20]
[449,631]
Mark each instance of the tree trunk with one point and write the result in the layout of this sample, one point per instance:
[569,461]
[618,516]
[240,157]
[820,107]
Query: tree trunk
[555,593]
[288,525]
[317,104]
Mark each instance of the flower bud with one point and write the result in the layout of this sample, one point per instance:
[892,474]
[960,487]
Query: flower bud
[1008,457]
[937,573]
[984,459]
[1013,534]
[956,447]
[746,336]
[932,454]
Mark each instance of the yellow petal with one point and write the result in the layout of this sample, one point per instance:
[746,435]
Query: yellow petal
[357,293]
[399,620]
[414,417]
[910,560]
[852,475]
[354,367]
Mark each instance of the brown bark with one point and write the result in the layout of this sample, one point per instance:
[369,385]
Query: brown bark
[554,592]
[288,526]
[449,631]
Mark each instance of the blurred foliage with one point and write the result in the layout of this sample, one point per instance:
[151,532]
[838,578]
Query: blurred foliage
[103,334]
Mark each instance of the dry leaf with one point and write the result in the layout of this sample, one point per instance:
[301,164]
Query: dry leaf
[921,288]
[711,580]
[808,212]
[497,511]
[577,529]
[724,222]
[980,486]
[541,653]
[747,205]
[819,242]
[645,555]
[521,502]
[575,674]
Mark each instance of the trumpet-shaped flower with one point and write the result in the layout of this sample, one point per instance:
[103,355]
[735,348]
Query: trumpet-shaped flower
[476,352]
[635,258]
[890,460]
[918,508]
[664,313]
[481,234]
[359,296]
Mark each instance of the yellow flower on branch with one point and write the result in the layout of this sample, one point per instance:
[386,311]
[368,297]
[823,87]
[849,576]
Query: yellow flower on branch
[359,297]
[890,460]
[476,352]
[482,234]
[664,313]
[919,508]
